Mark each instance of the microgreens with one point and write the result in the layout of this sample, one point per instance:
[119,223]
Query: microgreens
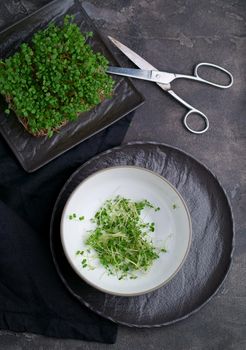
[54,78]
[121,238]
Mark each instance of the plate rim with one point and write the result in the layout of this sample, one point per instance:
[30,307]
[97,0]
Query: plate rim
[163,179]
[215,291]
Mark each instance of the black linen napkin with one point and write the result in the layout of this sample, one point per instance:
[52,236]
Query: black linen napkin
[32,296]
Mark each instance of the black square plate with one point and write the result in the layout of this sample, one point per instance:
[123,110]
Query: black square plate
[34,152]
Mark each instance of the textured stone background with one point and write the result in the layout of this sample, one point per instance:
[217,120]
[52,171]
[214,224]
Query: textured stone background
[174,36]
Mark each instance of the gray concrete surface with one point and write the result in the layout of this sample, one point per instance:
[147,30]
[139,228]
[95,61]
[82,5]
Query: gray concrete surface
[174,36]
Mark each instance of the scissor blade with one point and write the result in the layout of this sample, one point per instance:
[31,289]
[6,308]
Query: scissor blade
[137,60]
[131,72]
[150,75]
[133,56]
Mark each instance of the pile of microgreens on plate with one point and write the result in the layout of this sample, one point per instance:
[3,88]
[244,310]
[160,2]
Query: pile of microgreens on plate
[121,238]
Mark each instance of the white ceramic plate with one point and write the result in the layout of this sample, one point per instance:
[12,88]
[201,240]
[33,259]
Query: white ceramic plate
[172,226]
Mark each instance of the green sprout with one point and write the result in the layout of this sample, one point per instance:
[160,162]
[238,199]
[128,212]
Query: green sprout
[122,239]
[50,81]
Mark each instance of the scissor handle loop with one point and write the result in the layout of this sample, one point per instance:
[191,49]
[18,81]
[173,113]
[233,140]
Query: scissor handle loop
[210,82]
[206,121]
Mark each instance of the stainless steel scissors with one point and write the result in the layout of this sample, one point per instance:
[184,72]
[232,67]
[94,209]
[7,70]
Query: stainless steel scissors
[164,79]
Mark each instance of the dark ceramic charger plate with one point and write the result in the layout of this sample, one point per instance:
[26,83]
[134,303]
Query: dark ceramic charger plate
[34,152]
[211,249]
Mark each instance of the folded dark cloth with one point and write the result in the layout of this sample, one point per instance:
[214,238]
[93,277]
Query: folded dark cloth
[32,296]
